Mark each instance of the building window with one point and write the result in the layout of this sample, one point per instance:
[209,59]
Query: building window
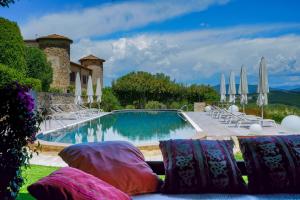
[84,79]
[72,76]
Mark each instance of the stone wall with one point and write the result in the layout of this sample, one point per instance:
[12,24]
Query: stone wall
[58,53]
[46,100]
[199,106]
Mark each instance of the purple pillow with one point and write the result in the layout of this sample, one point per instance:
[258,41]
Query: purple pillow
[70,183]
[273,163]
[200,166]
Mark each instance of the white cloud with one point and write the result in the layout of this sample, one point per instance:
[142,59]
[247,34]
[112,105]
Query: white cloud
[200,56]
[110,18]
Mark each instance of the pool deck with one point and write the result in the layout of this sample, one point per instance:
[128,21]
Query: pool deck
[208,127]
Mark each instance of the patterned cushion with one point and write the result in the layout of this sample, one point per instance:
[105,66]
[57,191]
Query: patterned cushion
[200,166]
[273,163]
[70,183]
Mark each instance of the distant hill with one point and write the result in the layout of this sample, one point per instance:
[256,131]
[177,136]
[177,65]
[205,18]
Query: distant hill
[276,95]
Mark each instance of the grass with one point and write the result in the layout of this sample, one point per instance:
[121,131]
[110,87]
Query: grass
[36,172]
[31,175]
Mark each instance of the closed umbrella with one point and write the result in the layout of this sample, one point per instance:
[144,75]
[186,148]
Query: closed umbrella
[98,91]
[90,91]
[78,99]
[223,89]
[263,86]
[243,87]
[232,89]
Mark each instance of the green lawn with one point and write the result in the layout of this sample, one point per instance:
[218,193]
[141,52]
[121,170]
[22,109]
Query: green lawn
[36,172]
[31,175]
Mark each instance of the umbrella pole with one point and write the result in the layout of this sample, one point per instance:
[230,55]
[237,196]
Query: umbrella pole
[243,108]
[262,111]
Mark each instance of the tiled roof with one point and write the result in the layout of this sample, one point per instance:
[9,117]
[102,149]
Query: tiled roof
[78,65]
[55,36]
[91,57]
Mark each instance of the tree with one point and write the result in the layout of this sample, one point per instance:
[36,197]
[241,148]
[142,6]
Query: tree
[109,100]
[38,67]
[5,3]
[12,53]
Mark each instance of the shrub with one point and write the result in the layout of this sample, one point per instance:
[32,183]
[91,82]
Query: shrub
[38,67]
[18,125]
[55,90]
[10,75]
[109,101]
[155,105]
[12,46]
[130,107]
[71,89]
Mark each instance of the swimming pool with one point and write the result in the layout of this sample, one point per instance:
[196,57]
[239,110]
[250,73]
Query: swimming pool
[137,127]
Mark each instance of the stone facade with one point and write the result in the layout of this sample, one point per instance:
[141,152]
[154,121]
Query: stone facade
[97,67]
[57,50]
[58,53]
[45,100]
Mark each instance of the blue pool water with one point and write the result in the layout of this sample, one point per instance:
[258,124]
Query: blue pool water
[137,127]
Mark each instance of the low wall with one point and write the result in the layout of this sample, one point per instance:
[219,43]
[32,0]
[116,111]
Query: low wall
[45,100]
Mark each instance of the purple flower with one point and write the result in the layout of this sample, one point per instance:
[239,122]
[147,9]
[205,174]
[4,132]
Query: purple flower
[26,99]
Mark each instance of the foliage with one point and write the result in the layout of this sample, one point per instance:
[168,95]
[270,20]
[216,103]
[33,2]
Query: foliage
[12,46]
[109,100]
[273,111]
[38,67]
[130,107]
[55,90]
[71,89]
[18,125]
[155,105]
[5,3]
[137,88]
[10,75]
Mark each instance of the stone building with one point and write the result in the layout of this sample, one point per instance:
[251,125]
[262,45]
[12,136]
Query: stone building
[57,50]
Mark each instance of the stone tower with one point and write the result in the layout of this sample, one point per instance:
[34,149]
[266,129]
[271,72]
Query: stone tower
[96,64]
[57,50]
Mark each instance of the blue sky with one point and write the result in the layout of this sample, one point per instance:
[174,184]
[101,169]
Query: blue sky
[192,42]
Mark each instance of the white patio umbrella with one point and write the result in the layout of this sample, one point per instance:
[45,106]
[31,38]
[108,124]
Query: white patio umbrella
[223,89]
[78,138]
[99,134]
[90,91]
[263,86]
[243,87]
[90,135]
[78,99]
[232,89]
[98,91]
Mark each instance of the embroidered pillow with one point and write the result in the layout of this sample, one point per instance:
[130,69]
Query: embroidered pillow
[70,183]
[273,163]
[200,166]
[118,163]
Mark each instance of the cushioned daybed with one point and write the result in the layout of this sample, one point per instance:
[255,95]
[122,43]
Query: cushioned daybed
[158,168]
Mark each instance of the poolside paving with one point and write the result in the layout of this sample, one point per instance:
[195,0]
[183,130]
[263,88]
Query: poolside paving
[215,128]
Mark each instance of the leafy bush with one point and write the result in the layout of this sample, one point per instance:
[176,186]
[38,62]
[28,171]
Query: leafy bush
[12,46]
[109,101]
[55,90]
[71,89]
[137,88]
[38,67]
[10,75]
[18,125]
[155,105]
[130,107]
[33,83]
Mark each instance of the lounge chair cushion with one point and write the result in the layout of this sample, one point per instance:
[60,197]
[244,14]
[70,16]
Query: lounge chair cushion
[200,166]
[70,183]
[119,163]
[273,163]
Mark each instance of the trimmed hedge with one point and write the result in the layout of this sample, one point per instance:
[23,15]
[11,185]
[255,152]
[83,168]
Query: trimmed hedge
[12,51]
[38,67]
[10,75]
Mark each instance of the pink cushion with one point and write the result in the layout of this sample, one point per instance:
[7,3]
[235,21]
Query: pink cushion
[70,183]
[118,163]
